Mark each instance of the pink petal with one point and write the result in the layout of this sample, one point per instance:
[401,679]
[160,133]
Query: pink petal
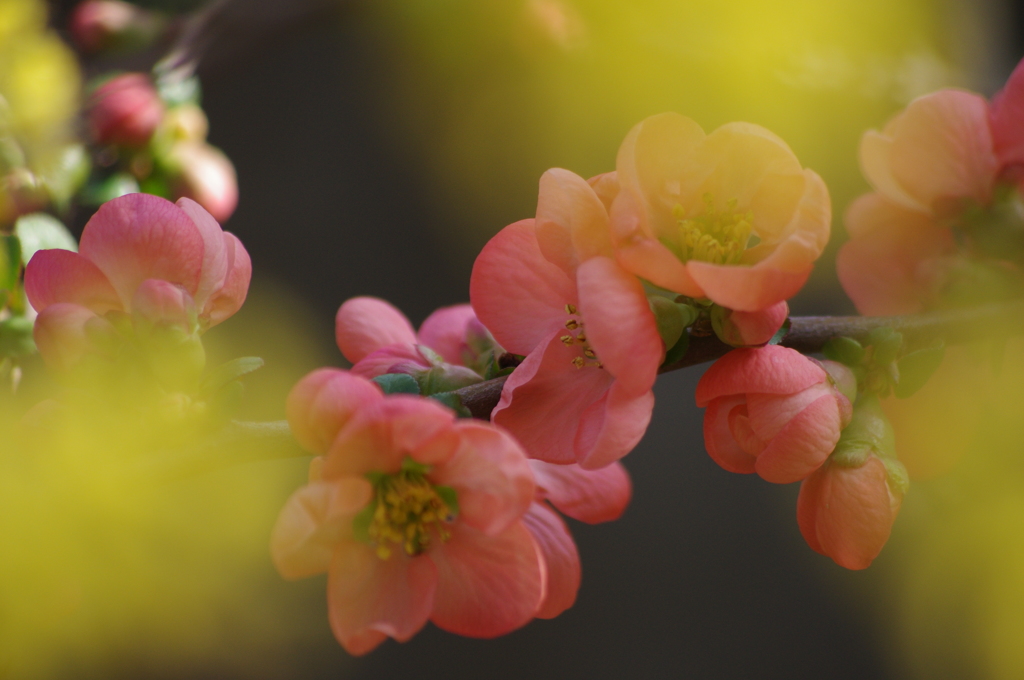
[560,557]
[567,204]
[619,324]
[215,251]
[543,401]
[228,299]
[323,402]
[63,332]
[652,261]
[718,436]
[755,328]
[444,331]
[368,597]
[487,585]
[770,413]
[382,434]
[1006,113]
[162,302]
[767,370]
[591,496]
[803,444]
[606,186]
[312,522]
[366,324]
[518,294]
[382,360]
[612,427]
[54,276]
[879,266]
[138,237]
[490,474]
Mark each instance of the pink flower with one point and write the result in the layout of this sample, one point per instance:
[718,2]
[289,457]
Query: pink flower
[748,329]
[204,174]
[549,289]
[417,516]
[97,25]
[946,172]
[847,513]
[162,264]
[377,338]
[770,410]
[730,216]
[125,110]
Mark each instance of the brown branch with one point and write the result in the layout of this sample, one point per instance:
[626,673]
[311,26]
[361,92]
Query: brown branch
[808,334]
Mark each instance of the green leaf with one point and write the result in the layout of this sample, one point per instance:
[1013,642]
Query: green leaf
[10,265]
[668,317]
[916,368]
[450,498]
[678,350]
[887,343]
[781,333]
[227,400]
[228,372]
[155,185]
[176,91]
[362,521]
[66,173]
[112,187]
[40,231]
[397,383]
[844,350]
[16,337]
[452,401]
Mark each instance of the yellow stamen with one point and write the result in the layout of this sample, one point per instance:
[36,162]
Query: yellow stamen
[409,512]
[717,237]
[570,309]
[567,339]
[578,362]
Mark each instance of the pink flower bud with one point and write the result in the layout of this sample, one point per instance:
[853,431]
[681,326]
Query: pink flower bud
[98,25]
[204,174]
[125,110]
[748,329]
[847,513]
[770,410]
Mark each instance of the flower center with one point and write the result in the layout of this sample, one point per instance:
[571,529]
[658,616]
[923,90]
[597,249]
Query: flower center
[407,510]
[577,336]
[719,237]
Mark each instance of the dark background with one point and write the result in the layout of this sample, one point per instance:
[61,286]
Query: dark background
[706,575]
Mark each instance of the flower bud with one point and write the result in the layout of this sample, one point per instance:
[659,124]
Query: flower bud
[748,329]
[98,25]
[125,110]
[204,174]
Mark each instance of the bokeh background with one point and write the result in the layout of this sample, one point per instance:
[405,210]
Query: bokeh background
[378,146]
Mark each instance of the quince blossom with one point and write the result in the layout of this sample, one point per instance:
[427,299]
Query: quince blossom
[125,110]
[730,216]
[941,225]
[142,260]
[416,515]
[770,410]
[549,288]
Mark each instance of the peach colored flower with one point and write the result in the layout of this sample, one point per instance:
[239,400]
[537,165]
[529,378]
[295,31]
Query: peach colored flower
[847,513]
[944,172]
[125,110]
[549,289]
[141,257]
[730,216]
[770,410]
[203,173]
[418,516]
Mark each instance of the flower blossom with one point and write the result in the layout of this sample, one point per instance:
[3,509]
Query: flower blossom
[125,110]
[416,516]
[942,224]
[144,265]
[772,411]
[548,288]
[730,216]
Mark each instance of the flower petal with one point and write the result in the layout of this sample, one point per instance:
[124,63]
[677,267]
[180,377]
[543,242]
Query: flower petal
[444,331]
[63,333]
[54,276]
[803,444]
[323,402]
[516,292]
[382,360]
[619,324]
[487,585]
[767,370]
[367,595]
[568,206]
[612,427]
[228,299]
[591,496]
[560,558]
[719,441]
[366,324]
[1006,113]
[215,254]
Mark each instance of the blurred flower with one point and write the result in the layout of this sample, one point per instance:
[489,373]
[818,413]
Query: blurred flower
[413,514]
[943,225]
[549,289]
[203,173]
[125,110]
[730,216]
[145,267]
[846,508]
[99,25]
[770,410]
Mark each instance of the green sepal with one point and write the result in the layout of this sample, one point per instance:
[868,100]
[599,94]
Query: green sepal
[869,432]
[668,317]
[376,478]
[397,383]
[228,372]
[452,401]
[362,521]
[16,337]
[176,91]
[157,186]
[896,475]
[450,498]
[844,350]
[410,465]
[115,186]
[916,368]
[10,264]
[41,231]
[690,313]
[887,343]
[677,351]
[781,333]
